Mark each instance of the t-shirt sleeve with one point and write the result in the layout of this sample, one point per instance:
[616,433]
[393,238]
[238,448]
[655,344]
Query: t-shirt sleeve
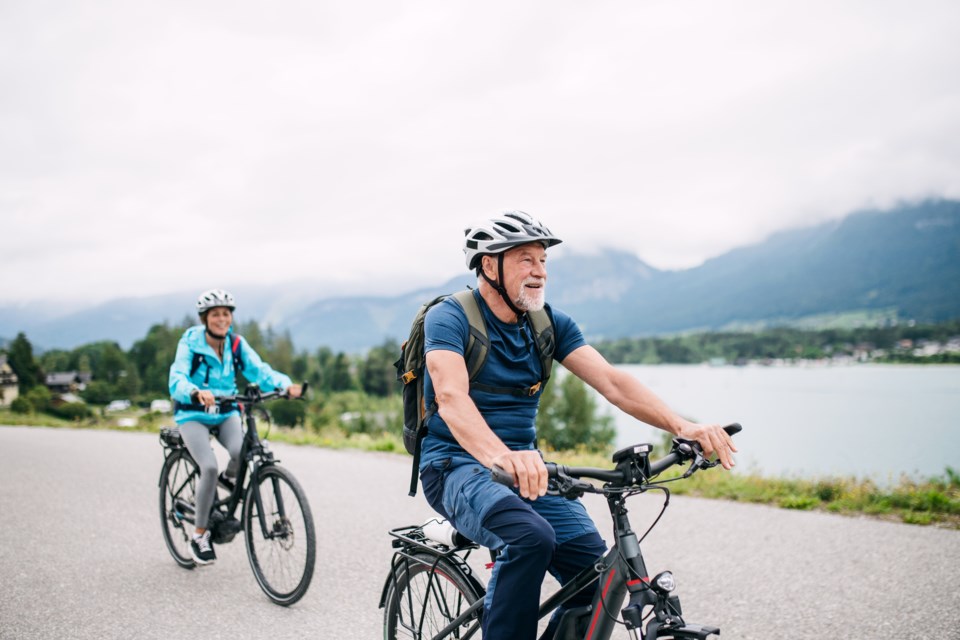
[568,335]
[445,328]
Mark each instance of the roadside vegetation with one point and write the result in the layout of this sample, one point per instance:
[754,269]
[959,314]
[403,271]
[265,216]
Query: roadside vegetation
[355,403]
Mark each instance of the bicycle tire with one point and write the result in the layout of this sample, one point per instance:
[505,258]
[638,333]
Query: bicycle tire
[178,480]
[282,561]
[417,607]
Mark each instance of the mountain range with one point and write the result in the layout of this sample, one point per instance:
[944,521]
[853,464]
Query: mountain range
[898,264]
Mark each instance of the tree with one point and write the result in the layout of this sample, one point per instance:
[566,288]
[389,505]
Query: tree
[55,360]
[568,418]
[153,356]
[20,359]
[378,376]
[340,376]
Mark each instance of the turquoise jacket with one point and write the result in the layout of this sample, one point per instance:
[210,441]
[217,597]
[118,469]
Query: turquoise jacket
[214,375]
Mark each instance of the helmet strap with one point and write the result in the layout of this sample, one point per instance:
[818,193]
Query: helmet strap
[500,288]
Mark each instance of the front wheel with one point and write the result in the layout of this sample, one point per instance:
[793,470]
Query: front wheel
[422,598]
[178,497]
[280,538]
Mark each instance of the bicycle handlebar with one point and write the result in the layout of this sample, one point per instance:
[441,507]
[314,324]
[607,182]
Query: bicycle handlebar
[253,395]
[624,474]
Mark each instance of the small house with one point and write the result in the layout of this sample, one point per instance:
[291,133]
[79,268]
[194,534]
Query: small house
[9,389]
[67,381]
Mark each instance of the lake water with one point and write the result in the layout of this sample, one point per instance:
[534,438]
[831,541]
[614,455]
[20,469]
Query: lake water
[868,421]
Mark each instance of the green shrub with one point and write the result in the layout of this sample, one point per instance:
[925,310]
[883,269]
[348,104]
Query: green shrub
[798,502]
[21,405]
[287,413]
[71,411]
[40,397]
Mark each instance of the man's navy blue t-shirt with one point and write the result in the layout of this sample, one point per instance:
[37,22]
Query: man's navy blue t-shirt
[512,362]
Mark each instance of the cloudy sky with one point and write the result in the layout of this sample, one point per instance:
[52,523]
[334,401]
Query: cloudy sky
[155,147]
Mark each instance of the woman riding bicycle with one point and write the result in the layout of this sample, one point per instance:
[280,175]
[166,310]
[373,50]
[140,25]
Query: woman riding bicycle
[205,368]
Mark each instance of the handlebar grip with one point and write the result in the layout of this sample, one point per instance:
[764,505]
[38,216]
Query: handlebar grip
[303,389]
[498,475]
[733,428]
[501,476]
[667,461]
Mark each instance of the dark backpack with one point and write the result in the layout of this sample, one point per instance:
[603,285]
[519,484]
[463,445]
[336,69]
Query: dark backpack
[235,350]
[412,363]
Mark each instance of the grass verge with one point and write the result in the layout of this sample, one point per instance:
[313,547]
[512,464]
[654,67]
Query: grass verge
[934,501]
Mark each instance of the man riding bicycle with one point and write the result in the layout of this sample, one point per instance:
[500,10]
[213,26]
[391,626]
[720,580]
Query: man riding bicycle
[491,421]
[205,368]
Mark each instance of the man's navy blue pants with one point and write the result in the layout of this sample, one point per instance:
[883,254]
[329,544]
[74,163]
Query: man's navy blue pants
[533,536]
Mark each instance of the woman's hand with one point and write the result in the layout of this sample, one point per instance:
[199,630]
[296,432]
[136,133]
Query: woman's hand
[294,390]
[204,397]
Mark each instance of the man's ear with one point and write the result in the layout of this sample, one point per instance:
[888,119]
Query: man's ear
[489,266]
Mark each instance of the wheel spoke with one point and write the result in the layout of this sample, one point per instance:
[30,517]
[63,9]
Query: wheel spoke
[282,556]
[424,599]
[177,487]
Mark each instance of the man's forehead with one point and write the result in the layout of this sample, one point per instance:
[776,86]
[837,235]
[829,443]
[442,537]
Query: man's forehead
[535,248]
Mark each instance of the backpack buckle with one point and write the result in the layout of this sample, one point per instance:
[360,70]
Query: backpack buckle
[408,377]
[532,391]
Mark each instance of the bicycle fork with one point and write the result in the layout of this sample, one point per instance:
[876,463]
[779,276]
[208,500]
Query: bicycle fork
[279,528]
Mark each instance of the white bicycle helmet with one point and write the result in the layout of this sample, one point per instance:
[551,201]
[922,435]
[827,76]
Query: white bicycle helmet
[214,298]
[496,235]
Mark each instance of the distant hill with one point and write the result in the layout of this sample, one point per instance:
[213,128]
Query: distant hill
[903,263]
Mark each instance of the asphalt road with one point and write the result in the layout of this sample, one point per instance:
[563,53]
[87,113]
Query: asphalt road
[82,556]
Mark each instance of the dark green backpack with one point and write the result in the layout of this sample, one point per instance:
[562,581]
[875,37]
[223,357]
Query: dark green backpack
[412,362]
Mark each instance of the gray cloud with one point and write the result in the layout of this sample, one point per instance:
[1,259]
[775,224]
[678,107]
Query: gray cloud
[148,148]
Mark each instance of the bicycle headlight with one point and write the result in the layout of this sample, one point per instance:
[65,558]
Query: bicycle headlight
[664,582]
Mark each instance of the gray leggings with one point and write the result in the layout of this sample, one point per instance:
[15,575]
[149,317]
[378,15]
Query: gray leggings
[196,437]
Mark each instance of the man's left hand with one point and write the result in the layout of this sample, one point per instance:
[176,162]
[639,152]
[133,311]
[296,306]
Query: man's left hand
[713,440]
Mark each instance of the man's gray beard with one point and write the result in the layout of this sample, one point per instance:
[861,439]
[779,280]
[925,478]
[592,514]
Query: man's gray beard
[525,302]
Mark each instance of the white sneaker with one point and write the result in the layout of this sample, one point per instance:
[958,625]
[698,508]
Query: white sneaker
[202,549]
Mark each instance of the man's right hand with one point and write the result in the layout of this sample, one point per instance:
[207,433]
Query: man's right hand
[528,471]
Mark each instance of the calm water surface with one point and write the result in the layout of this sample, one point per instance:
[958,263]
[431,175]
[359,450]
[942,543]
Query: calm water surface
[876,421]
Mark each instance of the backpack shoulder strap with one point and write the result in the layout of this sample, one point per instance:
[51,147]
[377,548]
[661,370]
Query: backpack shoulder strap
[235,345]
[196,360]
[478,344]
[545,339]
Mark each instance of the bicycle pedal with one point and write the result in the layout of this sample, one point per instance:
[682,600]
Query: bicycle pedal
[225,482]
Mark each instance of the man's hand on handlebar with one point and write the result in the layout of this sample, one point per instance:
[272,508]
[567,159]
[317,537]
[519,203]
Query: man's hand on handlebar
[712,439]
[527,469]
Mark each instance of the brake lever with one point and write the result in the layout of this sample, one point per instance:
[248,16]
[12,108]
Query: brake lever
[699,462]
[693,450]
[569,488]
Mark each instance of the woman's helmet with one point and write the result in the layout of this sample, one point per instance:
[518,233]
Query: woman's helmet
[510,229]
[214,298]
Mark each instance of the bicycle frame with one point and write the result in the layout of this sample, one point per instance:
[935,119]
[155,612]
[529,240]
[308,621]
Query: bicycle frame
[255,455]
[619,573]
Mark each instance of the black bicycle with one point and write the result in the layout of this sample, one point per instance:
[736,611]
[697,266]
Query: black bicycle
[276,519]
[431,592]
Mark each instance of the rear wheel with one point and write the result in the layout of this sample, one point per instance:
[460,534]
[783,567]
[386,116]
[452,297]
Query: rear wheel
[178,488]
[422,599]
[279,532]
